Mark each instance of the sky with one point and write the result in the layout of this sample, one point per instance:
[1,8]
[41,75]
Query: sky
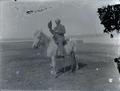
[79,16]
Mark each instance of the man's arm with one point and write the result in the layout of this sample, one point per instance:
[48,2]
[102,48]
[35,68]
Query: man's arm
[52,31]
[50,27]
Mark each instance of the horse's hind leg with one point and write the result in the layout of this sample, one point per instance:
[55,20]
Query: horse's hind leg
[74,63]
[53,66]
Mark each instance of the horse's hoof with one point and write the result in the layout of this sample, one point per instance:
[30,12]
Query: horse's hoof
[51,72]
[54,74]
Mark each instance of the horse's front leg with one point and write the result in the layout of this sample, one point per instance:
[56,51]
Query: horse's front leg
[53,66]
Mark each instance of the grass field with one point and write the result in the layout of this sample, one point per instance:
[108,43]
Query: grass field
[23,68]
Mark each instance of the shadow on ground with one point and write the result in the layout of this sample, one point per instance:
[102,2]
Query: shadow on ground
[71,69]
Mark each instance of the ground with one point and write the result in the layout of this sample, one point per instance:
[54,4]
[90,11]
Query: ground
[23,68]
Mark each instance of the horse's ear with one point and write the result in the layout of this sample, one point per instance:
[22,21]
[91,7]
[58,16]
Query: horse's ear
[35,34]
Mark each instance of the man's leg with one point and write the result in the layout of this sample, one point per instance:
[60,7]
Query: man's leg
[60,50]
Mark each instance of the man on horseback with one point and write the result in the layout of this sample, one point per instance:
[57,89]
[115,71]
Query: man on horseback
[58,36]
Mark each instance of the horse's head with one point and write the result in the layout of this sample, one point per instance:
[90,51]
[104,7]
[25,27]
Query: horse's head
[40,38]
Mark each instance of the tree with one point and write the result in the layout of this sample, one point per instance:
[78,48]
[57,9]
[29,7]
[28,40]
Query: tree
[110,18]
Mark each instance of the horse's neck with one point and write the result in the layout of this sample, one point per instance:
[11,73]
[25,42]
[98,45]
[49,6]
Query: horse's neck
[51,40]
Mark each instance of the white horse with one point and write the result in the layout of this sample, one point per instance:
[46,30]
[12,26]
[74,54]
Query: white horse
[41,38]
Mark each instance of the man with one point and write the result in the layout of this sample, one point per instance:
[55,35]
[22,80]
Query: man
[58,36]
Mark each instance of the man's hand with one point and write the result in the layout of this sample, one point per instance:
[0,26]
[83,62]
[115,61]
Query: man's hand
[50,25]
